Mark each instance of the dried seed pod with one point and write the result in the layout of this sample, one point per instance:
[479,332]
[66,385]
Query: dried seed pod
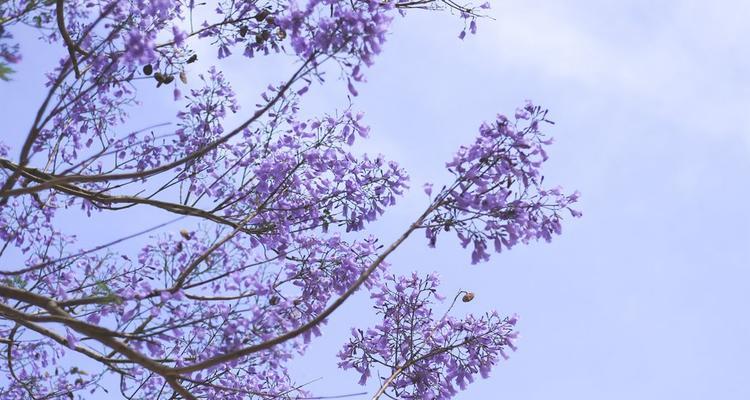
[262,15]
[183,77]
[469,296]
[192,59]
[262,36]
[148,69]
[186,234]
[160,78]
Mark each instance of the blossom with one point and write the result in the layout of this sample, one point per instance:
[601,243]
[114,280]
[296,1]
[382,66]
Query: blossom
[498,197]
[139,48]
[179,36]
[428,353]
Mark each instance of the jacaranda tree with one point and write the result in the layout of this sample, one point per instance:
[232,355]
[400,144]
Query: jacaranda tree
[278,206]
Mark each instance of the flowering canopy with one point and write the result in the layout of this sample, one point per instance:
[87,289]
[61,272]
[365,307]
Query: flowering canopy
[217,312]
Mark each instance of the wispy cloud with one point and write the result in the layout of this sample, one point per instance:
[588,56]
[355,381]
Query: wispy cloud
[684,60]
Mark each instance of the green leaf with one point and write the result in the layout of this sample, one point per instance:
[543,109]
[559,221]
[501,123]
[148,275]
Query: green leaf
[5,72]
[103,289]
[15,281]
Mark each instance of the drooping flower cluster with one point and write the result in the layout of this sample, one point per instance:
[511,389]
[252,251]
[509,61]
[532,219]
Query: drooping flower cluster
[356,30]
[421,353]
[498,198]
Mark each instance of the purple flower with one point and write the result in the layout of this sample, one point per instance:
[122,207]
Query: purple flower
[70,339]
[139,49]
[179,36]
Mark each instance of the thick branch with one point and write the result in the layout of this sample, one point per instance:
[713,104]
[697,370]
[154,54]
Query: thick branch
[318,319]
[102,335]
[100,198]
[6,191]
[24,320]
[60,14]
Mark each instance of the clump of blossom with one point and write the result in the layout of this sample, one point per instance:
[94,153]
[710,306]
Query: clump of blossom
[498,199]
[139,48]
[420,352]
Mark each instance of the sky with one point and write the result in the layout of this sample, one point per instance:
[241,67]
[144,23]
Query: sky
[645,296]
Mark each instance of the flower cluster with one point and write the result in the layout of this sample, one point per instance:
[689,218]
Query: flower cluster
[329,26]
[149,19]
[424,355]
[498,198]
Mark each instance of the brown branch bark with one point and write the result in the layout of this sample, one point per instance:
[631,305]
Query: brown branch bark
[6,190]
[101,199]
[60,14]
[318,319]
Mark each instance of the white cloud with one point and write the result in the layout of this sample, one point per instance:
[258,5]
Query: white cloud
[683,60]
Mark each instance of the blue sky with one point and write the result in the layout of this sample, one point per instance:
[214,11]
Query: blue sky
[644,297]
